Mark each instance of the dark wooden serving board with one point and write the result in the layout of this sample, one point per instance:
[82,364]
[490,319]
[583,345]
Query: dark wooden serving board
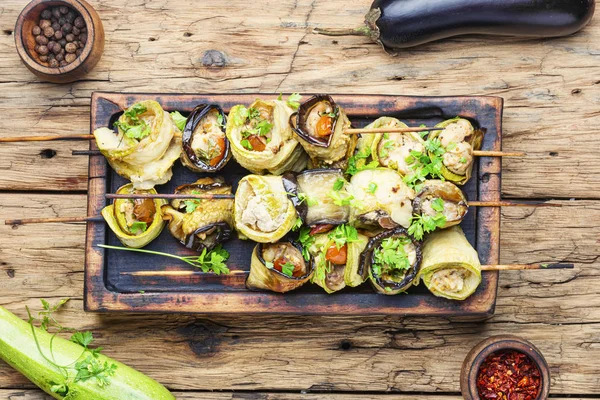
[109,285]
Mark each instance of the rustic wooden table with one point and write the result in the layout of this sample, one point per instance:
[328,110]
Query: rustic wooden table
[552,92]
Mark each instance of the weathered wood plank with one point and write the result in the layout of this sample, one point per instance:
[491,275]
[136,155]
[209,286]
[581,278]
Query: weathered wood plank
[558,310]
[551,86]
[29,394]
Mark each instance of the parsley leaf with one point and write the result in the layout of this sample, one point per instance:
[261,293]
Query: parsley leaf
[339,184]
[423,133]
[306,240]
[344,199]
[179,120]
[463,160]
[82,338]
[297,224]
[421,224]
[310,201]
[372,188]
[132,126]
[390,257]
[288,269]
[139,227]
[293,100]
[343,234]
[354,168]
[91,367]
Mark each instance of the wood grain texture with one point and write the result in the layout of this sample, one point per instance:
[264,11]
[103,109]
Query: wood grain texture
[551,87]
[559,311]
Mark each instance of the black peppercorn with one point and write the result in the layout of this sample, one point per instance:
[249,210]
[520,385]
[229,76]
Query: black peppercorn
[83,38]
[51,45]
[70,17]
[40,39]
[62,42]
[59,57]
[58,35]
[56,26]
[36,30]
[67,28]
[56,49]
[70,37]
[45,23]
[48,32]
[75,31]
[42,50]
[63,9]
[78,52]
[71,47]
[46,14]
[53,63]
[69,58]
[56,13]
[44,58]
[63,63]
[79,22]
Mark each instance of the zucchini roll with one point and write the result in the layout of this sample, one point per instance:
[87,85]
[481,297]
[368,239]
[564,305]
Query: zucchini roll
[278,267]
[261,138]
[381,199]
[444,197]
[311,193]
[205,145]
[392,260]
[201,224]
[147,144]
[451,267]
[336,258]
[135,222]
[392,149]
[319,125]
[458,139]
[263,211]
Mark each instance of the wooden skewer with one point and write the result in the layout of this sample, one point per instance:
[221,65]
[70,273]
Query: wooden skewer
[45,138]
[359,131]
[510,204]
[485,153]
[171,196]
[521,267]
[509,267]
[50,220]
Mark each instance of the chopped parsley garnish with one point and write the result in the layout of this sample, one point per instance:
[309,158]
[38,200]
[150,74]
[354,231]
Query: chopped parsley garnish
[353,162]
[310,201]
[246,144]
[344,199]
[132,126]
[463,160]
[372,188]
[343,234]
[138,227]
[384,151]
[423,133]
[192,204]
[390,257]
[288,269]
[293,100]
[425,164]
[306,240]
[339,184]
[179,120]
[220,121]
[297,224]
[422,224]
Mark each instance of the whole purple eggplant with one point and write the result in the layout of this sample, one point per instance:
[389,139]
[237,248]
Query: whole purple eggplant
[398,24]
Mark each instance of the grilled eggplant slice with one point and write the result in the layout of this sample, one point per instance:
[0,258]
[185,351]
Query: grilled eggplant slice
[261,138]
[337,263]
[201,224]
[205,145]
[145,147]
[451,267]
[319,125]
[381,199]
[278,267]
[392,149]
[311,193]
[135,222]
[263,211]
[458,139]
[453,199]
[392,259]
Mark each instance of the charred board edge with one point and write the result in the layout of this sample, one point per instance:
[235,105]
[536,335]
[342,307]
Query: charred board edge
[99,298]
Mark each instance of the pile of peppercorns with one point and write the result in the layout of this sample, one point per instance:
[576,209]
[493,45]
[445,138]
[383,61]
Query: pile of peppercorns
[60,36]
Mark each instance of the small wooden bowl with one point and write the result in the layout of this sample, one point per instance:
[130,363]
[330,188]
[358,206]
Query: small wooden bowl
[470,368]
[25,41]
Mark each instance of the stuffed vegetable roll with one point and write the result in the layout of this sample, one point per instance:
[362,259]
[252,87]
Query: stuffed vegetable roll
[450,267]
[392,150]
[441,197]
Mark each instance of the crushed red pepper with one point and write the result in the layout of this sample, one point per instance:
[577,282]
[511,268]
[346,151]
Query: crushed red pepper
[508,375]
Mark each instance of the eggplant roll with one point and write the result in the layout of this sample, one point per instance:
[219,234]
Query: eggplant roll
[278,267]
[392,260]
[454,201]
[337,267]
[450,267]
[135,222]
[392,149]
[458,139]
[145,147]
[310,191]
[382,199]
[319,125]
[261,138]
[201,224]
[205,145]
[263,211]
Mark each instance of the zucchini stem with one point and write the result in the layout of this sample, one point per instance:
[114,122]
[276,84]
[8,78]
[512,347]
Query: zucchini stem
[360,31]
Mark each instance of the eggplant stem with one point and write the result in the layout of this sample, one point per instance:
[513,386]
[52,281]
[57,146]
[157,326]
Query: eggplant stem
[360,31]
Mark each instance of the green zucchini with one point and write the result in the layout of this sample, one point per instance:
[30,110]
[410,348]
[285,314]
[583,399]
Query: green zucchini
[19,349]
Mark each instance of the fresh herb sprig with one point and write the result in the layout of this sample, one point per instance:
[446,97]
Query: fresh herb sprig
[343,234]
[207,261]
[425,164]
[306,240]
[391,256]
[134,127]
[85,367]
[179,120]
[355,165]
[293,100]
[422,224]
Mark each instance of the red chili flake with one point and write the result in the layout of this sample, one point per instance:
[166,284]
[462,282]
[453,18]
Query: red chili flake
[508,375]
